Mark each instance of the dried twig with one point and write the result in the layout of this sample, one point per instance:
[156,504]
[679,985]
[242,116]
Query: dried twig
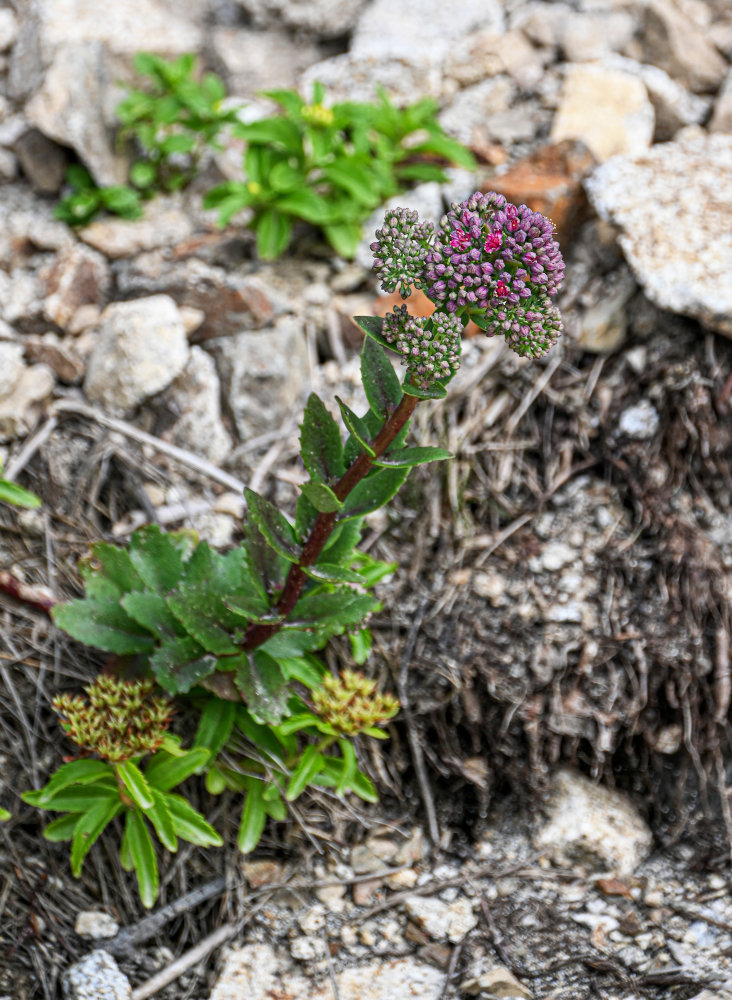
[182,964]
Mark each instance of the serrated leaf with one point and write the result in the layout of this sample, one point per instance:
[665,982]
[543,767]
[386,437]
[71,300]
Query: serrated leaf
[305,517]
[260,679]
[181,663]
[115,564]
[322,497]
[332,573]
[103,624]
[310,764]
[136,784]
[405,458]
[268,568]
[273,525]
[156,558]
[291,642]
[253,817]
[189,824]
[252,608]
[215,725]
[151,611]
[165,772]
[380,381]
[162,821]
[204,616]
[342,542]
[75,772]
[142,855]
[88,829]
[372,492]
[343,606]
[61,828]
[320,442]
[356,425]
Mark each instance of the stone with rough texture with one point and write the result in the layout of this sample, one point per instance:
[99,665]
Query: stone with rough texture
[593,827]
[195,398]
[721,120]
[549,181]
[488,52]
[11,366]
[258,972]
[602,325]
[261,60]
[593,34]
[640,421]
[42,161]
[64,360]
[8,29]
[96,977]
[468,117]
[78,277]
[323,18]
[497,982]
[348,77]
[442,920]
[673,42]
[141,348]
[263,374]
[674,208]
[95,924]
[163,224]
[435,24]
[608,109]
[20,410]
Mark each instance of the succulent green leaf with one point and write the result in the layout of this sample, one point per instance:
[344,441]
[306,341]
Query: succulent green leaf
[266,738]
[308,767]
[215,725]
[372,492]
[162,821]
[273,525]
[150,610]
[136,784]
[435,391]
[253,817]
[88,829]
[75,772]
[405,458]
[361,642]
[103,624]
[356,426]
[260,679]
[156,558]
[363,787]
[307,669]
[320,442]
[142,855]
[380,381]
[165,771]
[61,828]
[76,798]
[204,616]
[181,663]
[322,497]
[305,204]
[275,805]
[189,824]
[349,766]
[372,327]
[344,237]
[273,233]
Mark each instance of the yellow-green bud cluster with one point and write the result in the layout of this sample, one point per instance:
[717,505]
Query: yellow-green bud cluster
[350,703]
[117,720]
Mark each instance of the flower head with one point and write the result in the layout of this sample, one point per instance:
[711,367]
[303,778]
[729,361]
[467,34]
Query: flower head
[429,346]
[120,719]
[350,703]
[400,250]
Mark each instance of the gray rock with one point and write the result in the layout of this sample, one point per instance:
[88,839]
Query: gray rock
[195,396]
[141,348]
[602,325]
[21,408]
[96,977]
[673,42]
[11,366]
[95,924]
[264,375]
[261,60]
[64,360]
[593,34]
[78,276]
[28,223]
[348,77]
[675,107]
[722,118]
[387,30]
[258,972]
[640,421]
[323,18]
[593,827]
[608,109]
[487,53]
[674,208]
[21,297]
[8,29]
[164,223]
[496,982]
[468,117]
[42,161]
[440,920]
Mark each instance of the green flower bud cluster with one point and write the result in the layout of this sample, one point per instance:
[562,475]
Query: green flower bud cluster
[430,347]
[121,719]
[400,250]
[351,704]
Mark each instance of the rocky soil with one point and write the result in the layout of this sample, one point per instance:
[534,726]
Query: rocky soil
[565,603]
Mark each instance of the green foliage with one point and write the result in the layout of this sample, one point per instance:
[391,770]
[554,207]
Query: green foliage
[16,495]
[93,793]
[87,199]
[331,166]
